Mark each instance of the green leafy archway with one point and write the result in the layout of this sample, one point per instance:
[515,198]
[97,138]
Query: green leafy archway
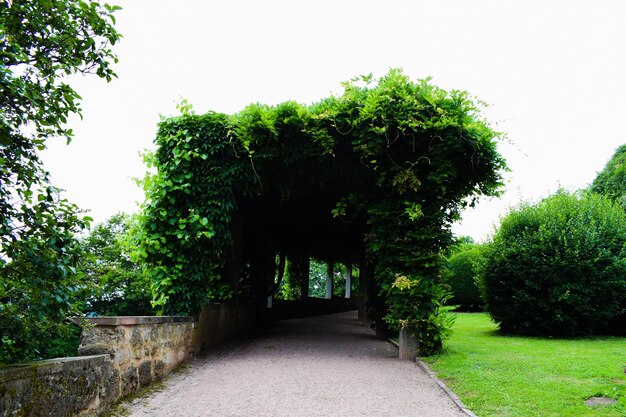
[376,175]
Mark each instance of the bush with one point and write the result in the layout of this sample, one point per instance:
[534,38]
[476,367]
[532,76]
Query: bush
[558,267]
[422,295]
[461,273]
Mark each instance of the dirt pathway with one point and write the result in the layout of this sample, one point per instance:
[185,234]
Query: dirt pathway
[321,366]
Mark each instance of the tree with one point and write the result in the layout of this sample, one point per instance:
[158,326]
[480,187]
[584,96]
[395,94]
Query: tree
[119,286]
[611,181]
[41,43]
[319,275]
[461,243]
[462,271]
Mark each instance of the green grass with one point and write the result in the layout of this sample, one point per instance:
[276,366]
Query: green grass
[505,376]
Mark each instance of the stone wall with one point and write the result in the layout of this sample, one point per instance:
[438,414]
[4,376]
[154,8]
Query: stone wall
[59,387]
[142,349]
[119,355]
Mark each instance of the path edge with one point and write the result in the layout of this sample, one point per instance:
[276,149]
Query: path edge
[424,367]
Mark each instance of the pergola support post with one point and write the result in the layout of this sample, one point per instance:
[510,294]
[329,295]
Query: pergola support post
[348,280]
[408,345]
[364,276]
[304,264]
[329,280]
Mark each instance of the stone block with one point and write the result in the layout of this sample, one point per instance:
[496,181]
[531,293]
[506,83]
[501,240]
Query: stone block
[96,349]
[159,369]
[136,340]
[408,345]
[145,373]
[130,381]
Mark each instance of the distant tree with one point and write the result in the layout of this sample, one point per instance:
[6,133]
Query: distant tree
[611,181]
[459,244]
[41,43]
[317,279]
[318,274]
[118,286]
[462,240]
[461,273]
[318,271]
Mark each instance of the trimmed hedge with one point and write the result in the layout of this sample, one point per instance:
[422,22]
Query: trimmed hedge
[558,267]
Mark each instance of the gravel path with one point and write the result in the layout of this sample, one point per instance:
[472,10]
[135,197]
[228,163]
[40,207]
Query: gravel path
[321,366]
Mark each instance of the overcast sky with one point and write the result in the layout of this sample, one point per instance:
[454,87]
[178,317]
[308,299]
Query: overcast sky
[554,73]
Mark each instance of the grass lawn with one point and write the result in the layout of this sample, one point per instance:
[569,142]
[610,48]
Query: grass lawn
[505,376]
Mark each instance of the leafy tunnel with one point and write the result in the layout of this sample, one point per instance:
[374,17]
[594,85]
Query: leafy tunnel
[375,176]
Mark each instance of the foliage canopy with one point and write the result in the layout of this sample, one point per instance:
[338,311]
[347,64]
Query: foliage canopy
[558,267]
[611,181]
[378,173]
[41,42]
[117,286]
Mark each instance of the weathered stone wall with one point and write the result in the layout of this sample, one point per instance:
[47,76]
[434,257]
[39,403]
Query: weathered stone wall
[59,387]
[142,349]
[119,355]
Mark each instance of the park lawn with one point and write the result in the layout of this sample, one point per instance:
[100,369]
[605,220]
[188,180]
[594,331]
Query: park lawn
[506,376]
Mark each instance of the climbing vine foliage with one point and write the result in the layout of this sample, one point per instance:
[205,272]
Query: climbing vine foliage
[399,157]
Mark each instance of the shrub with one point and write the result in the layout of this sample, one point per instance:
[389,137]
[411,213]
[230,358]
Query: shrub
[423,296]
[558,267]
[461,273]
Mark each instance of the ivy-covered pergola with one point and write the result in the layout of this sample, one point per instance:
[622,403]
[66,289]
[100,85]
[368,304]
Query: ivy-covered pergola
[375,177]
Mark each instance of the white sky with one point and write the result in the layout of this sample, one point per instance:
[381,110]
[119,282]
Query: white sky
[554,73]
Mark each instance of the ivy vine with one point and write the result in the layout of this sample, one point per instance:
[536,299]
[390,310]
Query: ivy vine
[398,159]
